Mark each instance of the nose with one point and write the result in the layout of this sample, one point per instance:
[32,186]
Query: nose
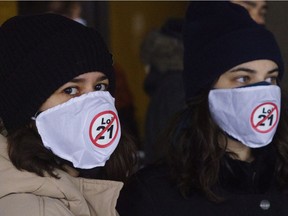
[87,89]
[259,79]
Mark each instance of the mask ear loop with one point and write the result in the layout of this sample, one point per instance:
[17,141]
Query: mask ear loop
[35,115]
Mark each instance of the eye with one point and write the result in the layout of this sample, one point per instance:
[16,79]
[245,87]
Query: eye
[71,91]
[101,87]
[272,80]
[242,79]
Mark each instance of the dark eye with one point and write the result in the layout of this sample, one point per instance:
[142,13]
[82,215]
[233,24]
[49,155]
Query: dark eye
[242,79]
[101,87]
[71,91]
[272,80]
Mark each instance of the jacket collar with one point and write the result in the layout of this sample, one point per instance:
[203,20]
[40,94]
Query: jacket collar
[81,196]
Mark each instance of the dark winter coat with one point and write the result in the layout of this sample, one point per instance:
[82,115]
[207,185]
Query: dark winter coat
[248,189]
[166,99]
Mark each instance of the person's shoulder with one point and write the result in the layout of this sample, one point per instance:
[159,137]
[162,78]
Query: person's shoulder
[145,193]
[3,144]
[153,179]
[32,205]
[3,140]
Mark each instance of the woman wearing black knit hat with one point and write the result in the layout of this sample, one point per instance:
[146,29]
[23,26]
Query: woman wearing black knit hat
[64,144]
[227,151]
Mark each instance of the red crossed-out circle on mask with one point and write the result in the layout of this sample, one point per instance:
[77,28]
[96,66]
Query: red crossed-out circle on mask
[104,129]
[264,117]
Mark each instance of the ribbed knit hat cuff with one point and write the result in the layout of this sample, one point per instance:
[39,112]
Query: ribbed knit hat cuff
[225,53]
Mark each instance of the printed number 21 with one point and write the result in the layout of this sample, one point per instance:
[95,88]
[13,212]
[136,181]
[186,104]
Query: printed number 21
[110,130]
[269,118]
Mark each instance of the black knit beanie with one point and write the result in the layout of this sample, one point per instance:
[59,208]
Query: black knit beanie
[40,53]
[218,36]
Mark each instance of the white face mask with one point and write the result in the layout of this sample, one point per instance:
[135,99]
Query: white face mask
[250,114]
[84,130]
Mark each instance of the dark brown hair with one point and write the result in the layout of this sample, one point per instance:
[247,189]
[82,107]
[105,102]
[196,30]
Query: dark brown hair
[194,153]
[27,152]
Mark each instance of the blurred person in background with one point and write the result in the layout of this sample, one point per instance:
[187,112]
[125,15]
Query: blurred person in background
[70,9]
[256,9]
[162,55]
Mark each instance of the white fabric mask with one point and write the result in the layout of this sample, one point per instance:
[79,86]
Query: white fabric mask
[84,130]
[250,114]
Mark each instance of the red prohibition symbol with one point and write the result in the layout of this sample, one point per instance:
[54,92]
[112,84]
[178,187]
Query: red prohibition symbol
[103,129]
[264,117]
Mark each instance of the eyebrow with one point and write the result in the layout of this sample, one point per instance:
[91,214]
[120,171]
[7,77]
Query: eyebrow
[78,80]
[251,70]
